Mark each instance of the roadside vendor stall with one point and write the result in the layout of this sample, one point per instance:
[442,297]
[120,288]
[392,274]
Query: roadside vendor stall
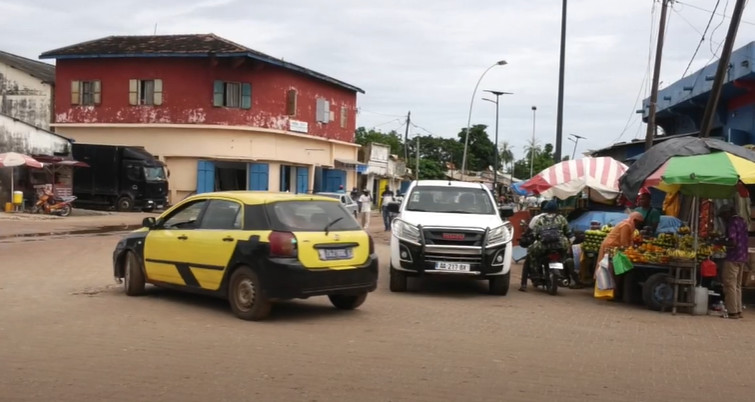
[700,168]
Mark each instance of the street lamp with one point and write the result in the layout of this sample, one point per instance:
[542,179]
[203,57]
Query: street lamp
[469,118]
[495,153]
[575,140]
[532,149]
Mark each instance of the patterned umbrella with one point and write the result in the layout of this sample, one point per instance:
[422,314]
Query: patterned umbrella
[568,178]
[12,159]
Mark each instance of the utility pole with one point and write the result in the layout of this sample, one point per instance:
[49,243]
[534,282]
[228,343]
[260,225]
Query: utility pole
[406,137]
[656,76]
[532,149]
[723,66]
[560,111]
[417,157]
[575,140]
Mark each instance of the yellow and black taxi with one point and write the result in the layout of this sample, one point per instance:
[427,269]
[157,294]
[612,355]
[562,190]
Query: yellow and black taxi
[252,248]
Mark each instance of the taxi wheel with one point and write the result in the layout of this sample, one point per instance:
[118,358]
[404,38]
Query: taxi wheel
[348,302]
[245,295]
[133,277]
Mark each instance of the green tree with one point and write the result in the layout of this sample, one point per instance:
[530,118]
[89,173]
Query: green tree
[392,139]
[506,155]
[480,150]
[430,169]
[543,159]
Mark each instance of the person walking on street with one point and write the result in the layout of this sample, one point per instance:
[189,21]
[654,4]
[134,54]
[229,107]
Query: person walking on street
[365,207]
[388,198]
[736,258]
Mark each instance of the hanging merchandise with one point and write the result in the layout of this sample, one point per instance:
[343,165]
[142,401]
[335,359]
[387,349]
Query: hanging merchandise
[672,204]
[706,218]
[708,269]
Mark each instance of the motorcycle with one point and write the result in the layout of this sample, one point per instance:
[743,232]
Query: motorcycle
[550,271]
[49,204]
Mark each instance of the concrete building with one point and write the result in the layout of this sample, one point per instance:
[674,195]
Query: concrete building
[222,116]
[380,169]
[26,89]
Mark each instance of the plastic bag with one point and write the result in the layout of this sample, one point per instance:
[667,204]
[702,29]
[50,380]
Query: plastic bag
[603,278]
[602,294]
[621,263]
[708,269]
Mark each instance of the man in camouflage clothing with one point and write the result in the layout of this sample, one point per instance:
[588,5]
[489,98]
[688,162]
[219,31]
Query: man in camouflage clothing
[555,224]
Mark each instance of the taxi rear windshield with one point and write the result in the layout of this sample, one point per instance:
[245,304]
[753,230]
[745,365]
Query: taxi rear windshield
[310,216]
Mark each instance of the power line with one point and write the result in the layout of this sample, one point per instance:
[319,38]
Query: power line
[709,11]
[361,109]
[716,29]
[644,79]
[702,38]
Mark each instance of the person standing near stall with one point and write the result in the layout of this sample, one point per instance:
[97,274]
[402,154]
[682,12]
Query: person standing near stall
[736,258]
[622,235]
[650,216]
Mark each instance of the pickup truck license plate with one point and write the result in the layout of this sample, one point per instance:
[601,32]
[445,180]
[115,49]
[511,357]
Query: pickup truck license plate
[555,265]
[329,254]
[452,266]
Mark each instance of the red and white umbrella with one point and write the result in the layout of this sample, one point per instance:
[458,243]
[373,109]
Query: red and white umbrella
[568,178]
[12,159]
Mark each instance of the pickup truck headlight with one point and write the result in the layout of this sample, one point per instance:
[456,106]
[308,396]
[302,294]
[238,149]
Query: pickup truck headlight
[405,231]
[499,235]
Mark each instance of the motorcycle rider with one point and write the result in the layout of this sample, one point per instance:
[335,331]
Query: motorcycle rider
[551,222]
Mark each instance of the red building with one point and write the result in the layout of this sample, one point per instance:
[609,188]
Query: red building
[222,116]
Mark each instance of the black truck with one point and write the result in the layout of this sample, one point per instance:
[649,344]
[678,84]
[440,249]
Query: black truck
[120,177]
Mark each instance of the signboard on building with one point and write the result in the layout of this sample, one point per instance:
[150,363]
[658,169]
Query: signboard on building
[298,126]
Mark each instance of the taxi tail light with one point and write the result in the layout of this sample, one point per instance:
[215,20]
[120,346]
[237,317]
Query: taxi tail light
[282,244]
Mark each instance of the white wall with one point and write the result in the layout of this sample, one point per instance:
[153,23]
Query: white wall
[25,97]
[21,137]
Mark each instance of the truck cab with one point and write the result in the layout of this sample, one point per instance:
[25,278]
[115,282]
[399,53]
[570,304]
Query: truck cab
[450,228]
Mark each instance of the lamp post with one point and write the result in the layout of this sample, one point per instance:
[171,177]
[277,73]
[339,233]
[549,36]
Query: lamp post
[532,150]
[495,153]
[469,118]
[575,140]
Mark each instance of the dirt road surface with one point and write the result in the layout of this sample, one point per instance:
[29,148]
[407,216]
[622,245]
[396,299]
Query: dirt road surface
[68,333]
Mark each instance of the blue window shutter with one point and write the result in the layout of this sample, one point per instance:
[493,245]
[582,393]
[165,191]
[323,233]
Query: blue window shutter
[217,93]
[258,176]
[246,95]
[302,179]
[205,177]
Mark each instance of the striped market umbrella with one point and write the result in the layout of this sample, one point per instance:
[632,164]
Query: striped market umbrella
[12,159]
[569,178]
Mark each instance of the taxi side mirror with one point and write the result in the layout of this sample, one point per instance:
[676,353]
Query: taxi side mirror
[149,222]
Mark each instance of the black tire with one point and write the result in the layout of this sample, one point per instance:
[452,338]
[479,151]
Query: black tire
[125,204]
[552,284]
[246,297]
[398,280]
[656,292]
[499,285]
[65,210]
[133,276]
[348,302]
[36,209]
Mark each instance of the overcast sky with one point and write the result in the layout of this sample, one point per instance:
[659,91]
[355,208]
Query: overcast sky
[425,56]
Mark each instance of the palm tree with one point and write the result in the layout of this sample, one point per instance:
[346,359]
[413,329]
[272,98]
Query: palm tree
[506,154]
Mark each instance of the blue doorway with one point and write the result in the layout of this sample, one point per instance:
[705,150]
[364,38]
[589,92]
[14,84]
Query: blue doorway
[302,179]
[258,176]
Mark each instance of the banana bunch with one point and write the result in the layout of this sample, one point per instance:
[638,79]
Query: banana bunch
[682,254]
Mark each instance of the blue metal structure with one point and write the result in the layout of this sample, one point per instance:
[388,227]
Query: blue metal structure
[681,106]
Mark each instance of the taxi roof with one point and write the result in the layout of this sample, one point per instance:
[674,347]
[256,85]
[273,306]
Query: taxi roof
[261,197]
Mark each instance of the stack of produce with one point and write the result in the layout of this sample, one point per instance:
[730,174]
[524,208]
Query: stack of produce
[594,238]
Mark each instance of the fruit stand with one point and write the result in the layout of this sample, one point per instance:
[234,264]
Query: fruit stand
[654,260]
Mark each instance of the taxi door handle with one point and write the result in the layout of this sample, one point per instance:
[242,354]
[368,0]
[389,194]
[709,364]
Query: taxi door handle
[228,238]
[182,237]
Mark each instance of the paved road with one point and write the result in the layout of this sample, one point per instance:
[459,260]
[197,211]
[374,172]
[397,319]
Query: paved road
[67,333]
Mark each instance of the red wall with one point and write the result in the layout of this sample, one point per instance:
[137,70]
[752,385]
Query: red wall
[188,93]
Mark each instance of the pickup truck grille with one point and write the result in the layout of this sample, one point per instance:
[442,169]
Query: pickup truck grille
[437,257]
[453,237]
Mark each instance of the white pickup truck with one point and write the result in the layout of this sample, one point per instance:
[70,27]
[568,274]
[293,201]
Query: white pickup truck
[450,228]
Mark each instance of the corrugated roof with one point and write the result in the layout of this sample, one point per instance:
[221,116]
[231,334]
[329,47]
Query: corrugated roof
[195,45]
[43,71]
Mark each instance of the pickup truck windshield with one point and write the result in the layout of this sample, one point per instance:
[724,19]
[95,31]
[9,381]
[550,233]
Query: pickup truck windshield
[449,199]
[154,173]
